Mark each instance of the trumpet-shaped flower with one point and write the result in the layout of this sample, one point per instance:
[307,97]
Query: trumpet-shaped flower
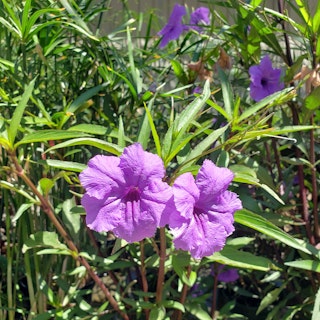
[173,29]
[264,79]
[200,16]
[202,211]
[125,194]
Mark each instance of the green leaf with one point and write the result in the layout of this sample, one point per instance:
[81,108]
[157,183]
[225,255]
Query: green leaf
[12,187]
[144,130]
[196,310]
[270,297]
[154,132]
[255,3]
[43,239]
[258,223]
[5,143]
[310,265]
[66,165]
[241,259]
[121,134]
[205,144]
[79,21]
[24,207]
[157,313]
[227,93]
[71,219]
[174,305]
[316,307]
[304,13]
[179,72]
[18,113]
[244,174]
[46,185]
[89,128]
[190,112]
[273,99]
[100,144]
[180,262]
[45,135]
[312,101]
[219,109]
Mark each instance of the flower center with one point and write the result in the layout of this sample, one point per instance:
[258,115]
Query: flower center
[132,195]
[264,82]
[197,211]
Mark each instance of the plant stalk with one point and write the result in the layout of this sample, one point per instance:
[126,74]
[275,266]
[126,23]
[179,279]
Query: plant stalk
[162,256]
[46,207]
[144,276]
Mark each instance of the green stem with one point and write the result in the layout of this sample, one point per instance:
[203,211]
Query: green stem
[46,207]
[28,271]
[11,308]
[162,256]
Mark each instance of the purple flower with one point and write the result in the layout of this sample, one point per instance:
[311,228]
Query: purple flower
[228,275]
[264,80]
[173,29]
[125,195]
[201,216]
[197,90]
[198,17]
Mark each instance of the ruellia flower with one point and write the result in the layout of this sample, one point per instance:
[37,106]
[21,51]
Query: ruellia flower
[264,79]
[125,194]
[173,29]
[227,274]
[202,211]
[200,16]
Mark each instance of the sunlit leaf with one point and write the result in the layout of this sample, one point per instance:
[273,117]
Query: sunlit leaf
[258,223]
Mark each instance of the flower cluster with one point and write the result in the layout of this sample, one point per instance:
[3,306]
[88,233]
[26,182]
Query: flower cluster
[127,195]
[265,80]
[174,28]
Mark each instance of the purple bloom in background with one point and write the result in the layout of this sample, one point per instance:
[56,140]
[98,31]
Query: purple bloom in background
[228,275]
[202,211]
[125,194]
[173,29]
[197,90]
[264,80]
[198,17]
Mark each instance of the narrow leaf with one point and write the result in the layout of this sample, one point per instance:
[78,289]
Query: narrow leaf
[189,114]
[45,135]
[258,223]
[205,144]
[98,143]
[65,165]
[316,307]
[241,259]
[18,113]
[270,297]
[310,265]
[154,132]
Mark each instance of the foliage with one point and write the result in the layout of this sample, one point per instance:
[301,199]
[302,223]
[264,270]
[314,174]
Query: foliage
[68,93]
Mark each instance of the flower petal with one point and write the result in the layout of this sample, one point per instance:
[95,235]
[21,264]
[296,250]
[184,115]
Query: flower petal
[199,236]
[102,215]
[185,194]
[264,79]
[212,181]
[173,29]
[199,16]
[138,165]
[101,175]
[156,197]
